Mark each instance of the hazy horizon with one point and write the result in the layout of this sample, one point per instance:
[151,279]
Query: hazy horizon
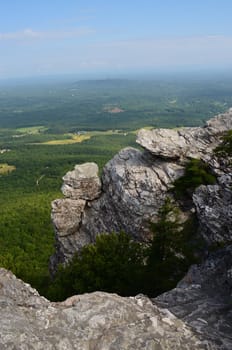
[102,38]
[191,74]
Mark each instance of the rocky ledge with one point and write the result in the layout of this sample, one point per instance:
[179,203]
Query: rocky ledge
[97,321]
[185,143]
[134,186]
[197,314]
[203,299]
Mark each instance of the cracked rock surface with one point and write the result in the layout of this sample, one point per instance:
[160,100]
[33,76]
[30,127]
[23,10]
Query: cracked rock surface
[214,210]
[203,299]
[179,144]
[134,186]
[94,321]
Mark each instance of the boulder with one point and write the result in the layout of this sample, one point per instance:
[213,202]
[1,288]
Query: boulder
[82,183]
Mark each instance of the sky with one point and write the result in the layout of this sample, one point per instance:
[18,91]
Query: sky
[49,37]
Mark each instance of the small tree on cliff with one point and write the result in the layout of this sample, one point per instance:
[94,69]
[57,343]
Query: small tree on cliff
[117,264]
[114,264]
[170,253]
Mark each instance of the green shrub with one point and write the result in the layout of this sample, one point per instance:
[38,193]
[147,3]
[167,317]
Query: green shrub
[171,251]
[225,148]
[114,264]
[117,264]
[196,173]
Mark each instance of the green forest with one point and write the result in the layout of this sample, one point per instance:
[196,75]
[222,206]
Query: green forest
[46,128]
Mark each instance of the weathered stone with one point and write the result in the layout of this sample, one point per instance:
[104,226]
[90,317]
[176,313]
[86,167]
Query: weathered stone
[203,298]
[66,215]
[135,184]
[220,123]
[67,218]
[214,210]
[81,186]
[83,182]
[170,144]
[186,143]
[98,321]
[134,188]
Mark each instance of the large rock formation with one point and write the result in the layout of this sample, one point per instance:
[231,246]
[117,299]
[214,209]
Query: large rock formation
[80,187]
[97,321]
[197,314]
[134,185]
[203,299]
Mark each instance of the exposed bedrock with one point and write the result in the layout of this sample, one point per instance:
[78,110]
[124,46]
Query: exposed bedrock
[214,211]
[94,321]
[203,299]
[184,143]
[197,314]
[134,186]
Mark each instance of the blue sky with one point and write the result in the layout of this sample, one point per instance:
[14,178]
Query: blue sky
[94,36]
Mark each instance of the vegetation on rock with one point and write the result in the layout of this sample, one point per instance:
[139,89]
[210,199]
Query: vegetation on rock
[225,148]
[119,265]
[172,249]
[196,173]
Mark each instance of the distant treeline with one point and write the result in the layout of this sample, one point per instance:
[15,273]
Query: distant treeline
[82,105]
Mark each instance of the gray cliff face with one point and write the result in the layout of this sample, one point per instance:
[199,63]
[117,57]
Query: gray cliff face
[203,298]
[133,189]
[214,211]
[196,315]
[134,186]
[94,321]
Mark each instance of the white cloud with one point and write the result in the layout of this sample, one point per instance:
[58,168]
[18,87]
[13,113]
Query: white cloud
[30,34]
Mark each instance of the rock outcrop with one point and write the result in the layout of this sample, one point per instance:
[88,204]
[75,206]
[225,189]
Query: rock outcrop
[80,187]
[94,321]
[197,314]
[134,186]
[214,210]
[203,299]
[184,143]
[82,183]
